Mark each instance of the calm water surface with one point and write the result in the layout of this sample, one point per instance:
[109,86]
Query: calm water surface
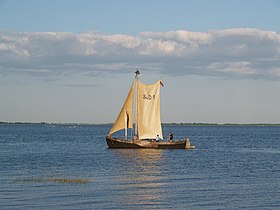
[70,167]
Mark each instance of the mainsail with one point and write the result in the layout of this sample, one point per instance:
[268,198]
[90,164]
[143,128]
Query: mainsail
[148,123]
[124,119]
[148,111]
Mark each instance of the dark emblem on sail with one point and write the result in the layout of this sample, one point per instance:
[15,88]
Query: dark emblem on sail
[149,97]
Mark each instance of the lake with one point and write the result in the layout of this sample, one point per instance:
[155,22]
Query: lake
[45,166]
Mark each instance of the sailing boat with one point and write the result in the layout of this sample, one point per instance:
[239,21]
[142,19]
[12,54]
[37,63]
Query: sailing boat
[142,105]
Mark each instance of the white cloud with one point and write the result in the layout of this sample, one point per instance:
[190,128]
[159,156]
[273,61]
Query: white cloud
[243,52]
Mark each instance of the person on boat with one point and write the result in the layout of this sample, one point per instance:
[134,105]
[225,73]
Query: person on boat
[135,137]
[157,138]
[170,136]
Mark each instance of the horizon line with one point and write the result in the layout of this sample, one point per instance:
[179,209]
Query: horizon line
[111,123]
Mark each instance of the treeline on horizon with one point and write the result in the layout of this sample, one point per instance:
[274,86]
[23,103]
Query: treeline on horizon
[175,123]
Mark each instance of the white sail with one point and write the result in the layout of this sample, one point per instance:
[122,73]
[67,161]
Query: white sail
[125,116]
[148,111]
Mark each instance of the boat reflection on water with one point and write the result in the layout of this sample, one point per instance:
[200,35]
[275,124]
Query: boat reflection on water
[142,181]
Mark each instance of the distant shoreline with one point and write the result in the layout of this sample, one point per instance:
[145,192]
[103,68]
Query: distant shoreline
[177,124]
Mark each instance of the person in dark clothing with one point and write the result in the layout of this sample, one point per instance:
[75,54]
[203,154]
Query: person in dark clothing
[170,136]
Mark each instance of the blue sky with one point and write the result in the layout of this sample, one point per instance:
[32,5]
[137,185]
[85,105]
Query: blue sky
[132,17]
[73,61]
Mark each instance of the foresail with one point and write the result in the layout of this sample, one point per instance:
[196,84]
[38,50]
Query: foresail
[124,119]
[148,110]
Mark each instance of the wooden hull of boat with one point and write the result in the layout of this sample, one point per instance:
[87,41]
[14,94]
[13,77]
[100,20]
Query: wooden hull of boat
[145,144]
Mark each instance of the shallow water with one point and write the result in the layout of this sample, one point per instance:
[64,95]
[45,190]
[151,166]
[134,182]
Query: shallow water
[70,167]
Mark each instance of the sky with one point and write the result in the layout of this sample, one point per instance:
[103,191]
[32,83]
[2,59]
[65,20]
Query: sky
[74,61]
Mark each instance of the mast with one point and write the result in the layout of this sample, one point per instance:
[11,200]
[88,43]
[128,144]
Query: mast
[137,75]
[126,125]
